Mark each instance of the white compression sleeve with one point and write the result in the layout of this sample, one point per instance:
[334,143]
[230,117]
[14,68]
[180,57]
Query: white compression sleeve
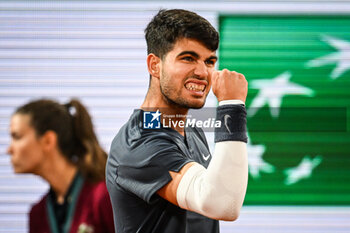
[218,191]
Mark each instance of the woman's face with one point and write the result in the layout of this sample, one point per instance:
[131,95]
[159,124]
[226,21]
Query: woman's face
[26,148]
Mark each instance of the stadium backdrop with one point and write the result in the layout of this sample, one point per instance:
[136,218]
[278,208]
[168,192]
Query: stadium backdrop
[296,62]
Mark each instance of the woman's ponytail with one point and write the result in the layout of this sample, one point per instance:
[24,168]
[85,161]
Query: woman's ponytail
[91,158]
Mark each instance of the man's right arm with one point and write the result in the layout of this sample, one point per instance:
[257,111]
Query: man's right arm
[218,191]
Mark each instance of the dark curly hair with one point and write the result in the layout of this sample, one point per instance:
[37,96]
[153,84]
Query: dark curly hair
[168,26]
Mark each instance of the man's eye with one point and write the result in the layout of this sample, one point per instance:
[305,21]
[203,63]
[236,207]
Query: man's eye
[210,62]
[188,59]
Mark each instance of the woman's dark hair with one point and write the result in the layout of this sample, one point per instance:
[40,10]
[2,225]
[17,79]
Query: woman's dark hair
[76,137]
[168,26]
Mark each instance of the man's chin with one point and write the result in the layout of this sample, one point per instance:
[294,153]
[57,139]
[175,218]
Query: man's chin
[186,103]
[196,103]
[197,106]
[190,105]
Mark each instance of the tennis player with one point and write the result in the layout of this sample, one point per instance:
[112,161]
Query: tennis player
[164,180]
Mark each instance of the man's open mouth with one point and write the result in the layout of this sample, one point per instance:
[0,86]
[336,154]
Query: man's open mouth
[195,86]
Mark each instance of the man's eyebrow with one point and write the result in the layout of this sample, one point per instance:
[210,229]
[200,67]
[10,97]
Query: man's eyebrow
[194,54]
[212,57]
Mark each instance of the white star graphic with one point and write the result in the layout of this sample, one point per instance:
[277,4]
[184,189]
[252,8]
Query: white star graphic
[272,91]
[342,57]
[303,170]
[256,163]
[156,115]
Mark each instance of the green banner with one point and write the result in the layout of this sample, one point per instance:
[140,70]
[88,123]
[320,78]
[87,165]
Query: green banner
[298,70]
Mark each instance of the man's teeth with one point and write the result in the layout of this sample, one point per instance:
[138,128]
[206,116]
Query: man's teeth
[195,87]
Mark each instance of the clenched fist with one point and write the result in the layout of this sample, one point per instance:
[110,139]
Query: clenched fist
[229,85]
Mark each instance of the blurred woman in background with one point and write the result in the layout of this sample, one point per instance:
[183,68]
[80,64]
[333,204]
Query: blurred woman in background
[57,142]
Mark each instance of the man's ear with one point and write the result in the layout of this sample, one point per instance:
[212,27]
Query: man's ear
[153,65]
[49,141]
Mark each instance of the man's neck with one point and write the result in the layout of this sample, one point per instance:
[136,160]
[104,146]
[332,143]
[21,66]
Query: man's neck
[170,112]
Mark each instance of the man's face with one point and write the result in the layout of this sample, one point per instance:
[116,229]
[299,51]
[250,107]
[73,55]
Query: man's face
[186,70]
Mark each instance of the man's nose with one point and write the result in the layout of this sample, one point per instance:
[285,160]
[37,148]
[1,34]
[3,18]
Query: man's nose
[201,70]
